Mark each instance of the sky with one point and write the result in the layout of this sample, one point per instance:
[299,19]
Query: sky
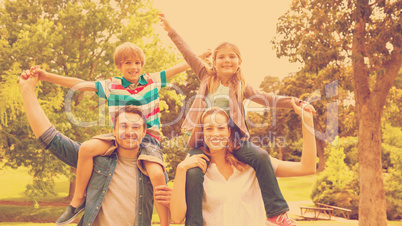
[251,25]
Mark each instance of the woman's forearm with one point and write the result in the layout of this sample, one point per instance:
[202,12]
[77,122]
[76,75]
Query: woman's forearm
[178,206]
[309,152]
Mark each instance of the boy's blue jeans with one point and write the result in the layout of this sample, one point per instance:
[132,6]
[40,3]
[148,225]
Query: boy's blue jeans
[252,155]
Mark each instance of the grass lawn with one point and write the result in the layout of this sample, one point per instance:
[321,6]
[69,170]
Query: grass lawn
[13,184]
[297,188]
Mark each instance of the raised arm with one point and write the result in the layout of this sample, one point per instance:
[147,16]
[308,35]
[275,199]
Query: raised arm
[36,116]
[62,147]
[196,64]
[178,206]
[178,68]
[307,165]
[69,82]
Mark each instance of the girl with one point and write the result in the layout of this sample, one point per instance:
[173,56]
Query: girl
[224,86]
[231,192]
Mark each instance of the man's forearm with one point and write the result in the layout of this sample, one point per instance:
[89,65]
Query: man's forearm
[36,116]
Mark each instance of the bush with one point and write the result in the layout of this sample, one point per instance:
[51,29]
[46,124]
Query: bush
[338,184]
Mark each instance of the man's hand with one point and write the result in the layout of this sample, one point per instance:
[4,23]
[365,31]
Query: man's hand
[162,195]
[164,23]
[27,81]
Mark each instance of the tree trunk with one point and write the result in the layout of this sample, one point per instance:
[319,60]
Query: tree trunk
[320,145]
[372,206]
[320,152]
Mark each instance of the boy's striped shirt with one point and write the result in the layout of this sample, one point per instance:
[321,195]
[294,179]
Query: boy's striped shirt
[119,92]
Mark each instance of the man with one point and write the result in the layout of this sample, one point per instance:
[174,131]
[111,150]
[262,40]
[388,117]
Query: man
[118,192]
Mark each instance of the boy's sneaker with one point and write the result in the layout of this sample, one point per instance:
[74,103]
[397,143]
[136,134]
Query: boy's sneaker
[281,219]
[70,214]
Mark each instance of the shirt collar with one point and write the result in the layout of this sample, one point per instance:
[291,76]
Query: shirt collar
[141,81]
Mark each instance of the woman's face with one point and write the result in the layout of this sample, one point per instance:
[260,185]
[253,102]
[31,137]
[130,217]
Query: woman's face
[226,62]
[216,132]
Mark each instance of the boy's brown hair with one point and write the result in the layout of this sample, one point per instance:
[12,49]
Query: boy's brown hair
[127,50]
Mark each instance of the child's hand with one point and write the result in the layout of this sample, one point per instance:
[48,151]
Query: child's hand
[301,107]
[35,71]
[205,54]
[164,23]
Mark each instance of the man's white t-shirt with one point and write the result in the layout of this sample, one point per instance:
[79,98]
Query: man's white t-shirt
[119,205]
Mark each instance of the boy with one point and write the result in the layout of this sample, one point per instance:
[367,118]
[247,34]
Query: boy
[132,89]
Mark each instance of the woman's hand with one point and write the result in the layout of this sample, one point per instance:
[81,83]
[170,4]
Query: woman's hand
[194,161]
[164,23]
[302,108]
[305,105]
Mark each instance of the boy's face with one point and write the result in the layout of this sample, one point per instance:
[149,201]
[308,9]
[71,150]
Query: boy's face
[131,69]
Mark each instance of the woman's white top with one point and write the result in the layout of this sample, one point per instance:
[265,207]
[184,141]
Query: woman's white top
[236,201]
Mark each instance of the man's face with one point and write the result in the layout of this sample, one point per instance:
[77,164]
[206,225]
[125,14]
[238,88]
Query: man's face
[129,131]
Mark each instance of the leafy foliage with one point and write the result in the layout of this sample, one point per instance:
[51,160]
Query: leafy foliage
[338,184]
[74,39]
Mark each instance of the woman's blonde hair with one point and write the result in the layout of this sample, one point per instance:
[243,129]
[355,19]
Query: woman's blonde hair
[237,78]
[127,50]
[197,138]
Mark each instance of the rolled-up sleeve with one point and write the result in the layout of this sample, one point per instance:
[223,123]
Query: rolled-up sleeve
[61,146]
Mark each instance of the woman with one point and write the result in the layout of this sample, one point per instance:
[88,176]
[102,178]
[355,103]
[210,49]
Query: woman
[223,85]
[231,191]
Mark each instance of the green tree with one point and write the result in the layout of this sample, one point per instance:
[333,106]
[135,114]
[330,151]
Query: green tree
[367,35]
[72,39]
[175,141]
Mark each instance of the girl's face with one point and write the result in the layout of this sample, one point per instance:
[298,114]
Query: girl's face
[226,62]
[216,132]
[131,69]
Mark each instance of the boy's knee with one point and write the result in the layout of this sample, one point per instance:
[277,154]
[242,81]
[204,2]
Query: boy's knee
[86,150]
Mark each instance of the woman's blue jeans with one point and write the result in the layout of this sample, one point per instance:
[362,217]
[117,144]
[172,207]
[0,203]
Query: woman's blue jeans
[252,155]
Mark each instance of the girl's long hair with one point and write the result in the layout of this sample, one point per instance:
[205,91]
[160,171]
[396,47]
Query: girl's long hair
[237,79]
[197,138]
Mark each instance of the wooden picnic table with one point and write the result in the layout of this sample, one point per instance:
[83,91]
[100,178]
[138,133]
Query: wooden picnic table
[316,210]
[345,212]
